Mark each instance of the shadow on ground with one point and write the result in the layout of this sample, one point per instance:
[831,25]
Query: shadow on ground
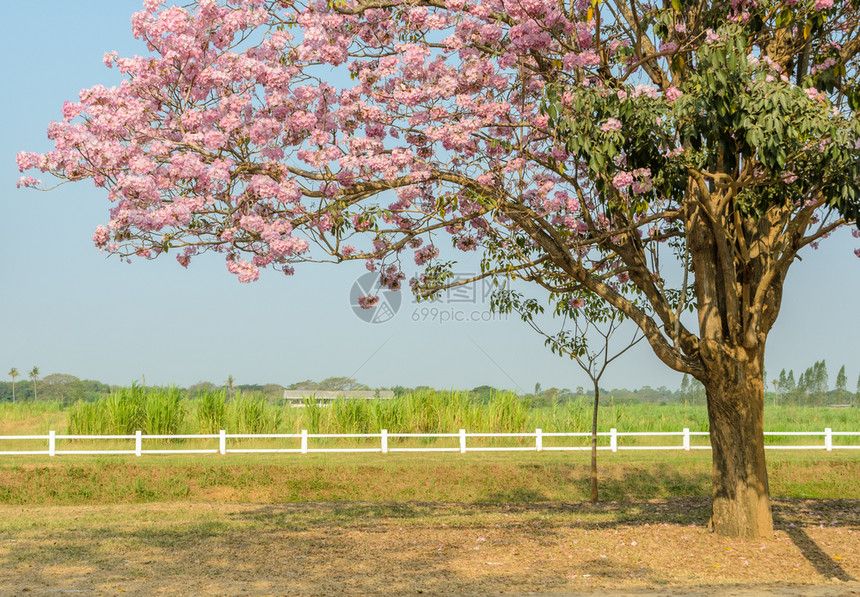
[372,548]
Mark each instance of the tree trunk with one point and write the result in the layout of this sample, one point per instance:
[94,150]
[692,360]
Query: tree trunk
[594,444]
[741,499]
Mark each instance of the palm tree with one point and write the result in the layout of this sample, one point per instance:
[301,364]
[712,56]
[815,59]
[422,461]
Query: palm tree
[13,373]
[230,383]
[34,373]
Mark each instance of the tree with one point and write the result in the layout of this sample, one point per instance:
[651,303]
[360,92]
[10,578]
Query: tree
[231,382]
[586,148]
[13,373]
[813,384]
[694,392]
[34,375]
[791,386]
[842,385]
[330,384]
[781,387]
[822,382]
[857,393]
[62,387]
[591,322]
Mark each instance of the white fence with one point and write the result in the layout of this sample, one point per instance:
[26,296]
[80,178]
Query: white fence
[384,446]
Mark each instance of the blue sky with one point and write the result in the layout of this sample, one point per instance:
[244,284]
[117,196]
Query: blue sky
[68,309]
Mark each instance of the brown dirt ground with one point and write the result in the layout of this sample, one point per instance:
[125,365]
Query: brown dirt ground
[349,548]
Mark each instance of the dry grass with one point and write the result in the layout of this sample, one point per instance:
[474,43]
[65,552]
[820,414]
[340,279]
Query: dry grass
[473,478]
[478,524]
[421,548]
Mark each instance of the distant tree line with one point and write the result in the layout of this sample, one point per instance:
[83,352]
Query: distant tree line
[810,388]
[57,387]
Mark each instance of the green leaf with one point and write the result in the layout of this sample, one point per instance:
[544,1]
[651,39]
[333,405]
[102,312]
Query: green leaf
[784,18]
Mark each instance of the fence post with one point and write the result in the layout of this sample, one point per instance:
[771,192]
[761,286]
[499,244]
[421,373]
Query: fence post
[687,439]
[828,439]
[384,435]
[138,441]
[52,443]
[304,441]
[613,439]
[462,441]
[538,439]
[222,442]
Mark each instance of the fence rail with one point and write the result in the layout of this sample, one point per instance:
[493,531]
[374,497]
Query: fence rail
[384,446]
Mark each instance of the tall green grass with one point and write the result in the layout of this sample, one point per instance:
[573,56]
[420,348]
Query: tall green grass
[211,411]
[248,413]
[155,411]
[166,411]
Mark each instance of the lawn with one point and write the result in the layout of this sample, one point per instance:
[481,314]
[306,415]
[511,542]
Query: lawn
[410,523]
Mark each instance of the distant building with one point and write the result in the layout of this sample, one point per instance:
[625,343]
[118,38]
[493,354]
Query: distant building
[297,398]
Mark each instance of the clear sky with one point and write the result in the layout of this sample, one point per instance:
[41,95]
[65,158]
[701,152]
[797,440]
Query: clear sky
[68,309]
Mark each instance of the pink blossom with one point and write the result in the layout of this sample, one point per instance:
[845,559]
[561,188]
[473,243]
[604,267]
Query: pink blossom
[673,93]
[712,37]
[642,182]
[425,254]
[368,302]
[815,95]
[246,271]
[101,237]
[611,124]
[622,180]
[28,181]
[467,243]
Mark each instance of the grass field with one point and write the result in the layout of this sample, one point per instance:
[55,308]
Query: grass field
[359,524]
[166,410]
[469,478]
[409,523]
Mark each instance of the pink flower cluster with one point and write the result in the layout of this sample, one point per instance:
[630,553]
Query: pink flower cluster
[425,254]
[611,125]
[367,301]
[817,96]
[638,180]
[673,93]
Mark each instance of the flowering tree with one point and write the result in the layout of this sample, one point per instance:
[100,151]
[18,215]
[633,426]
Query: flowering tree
[585,146]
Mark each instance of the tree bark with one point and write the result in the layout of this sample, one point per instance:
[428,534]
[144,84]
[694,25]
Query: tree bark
[741,499]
